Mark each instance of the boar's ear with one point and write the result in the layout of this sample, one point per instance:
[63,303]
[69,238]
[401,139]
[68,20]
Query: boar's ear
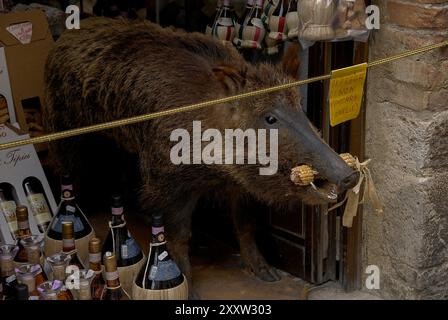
[290,60]
[232,78]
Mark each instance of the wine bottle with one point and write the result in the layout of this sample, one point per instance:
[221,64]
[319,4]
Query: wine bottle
[8,207]
[119,239]
[251,32]
[38,202]
[213,19]
[8,276]
[224,27]
[85,281]
[21,292]
[68,210]
[32,246]
[59,263]
[98,283]
[23,232]
[26,274]
[113,290]
[69,245]
[159,271]
[53,290]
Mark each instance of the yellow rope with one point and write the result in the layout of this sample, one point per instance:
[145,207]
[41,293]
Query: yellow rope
[200,105]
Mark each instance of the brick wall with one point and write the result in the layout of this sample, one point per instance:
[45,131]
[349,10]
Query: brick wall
[407,139]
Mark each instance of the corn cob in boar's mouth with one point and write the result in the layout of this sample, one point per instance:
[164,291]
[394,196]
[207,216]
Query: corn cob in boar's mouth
[304,175]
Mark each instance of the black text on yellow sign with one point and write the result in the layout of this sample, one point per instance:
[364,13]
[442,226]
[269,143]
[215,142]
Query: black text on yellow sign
[346,92]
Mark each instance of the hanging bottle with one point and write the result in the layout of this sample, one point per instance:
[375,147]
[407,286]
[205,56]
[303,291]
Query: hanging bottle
[8,206]
[252,32]
[113,290]
[98,283]
[8,276]
[160,271]
[292,20]
[68,210]
[23,232]
[69,245]
[224,27]
[119,240]
[38,202]
[59,263]
[213,19]
[277,27]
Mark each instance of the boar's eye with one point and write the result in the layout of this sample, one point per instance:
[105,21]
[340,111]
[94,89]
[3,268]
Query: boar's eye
[270,120]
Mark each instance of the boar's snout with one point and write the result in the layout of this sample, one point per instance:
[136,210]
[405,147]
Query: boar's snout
[349,181]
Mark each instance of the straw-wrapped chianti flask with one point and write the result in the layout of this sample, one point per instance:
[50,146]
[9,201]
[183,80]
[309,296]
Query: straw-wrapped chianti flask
[159,278]
[68,210]
[119,239]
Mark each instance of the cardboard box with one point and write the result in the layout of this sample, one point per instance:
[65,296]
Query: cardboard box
[6,101]
[16,165]
[26,40]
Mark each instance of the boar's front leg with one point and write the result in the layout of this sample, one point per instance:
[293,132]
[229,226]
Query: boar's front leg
[244,224]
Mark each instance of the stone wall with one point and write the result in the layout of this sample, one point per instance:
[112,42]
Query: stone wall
[407,139]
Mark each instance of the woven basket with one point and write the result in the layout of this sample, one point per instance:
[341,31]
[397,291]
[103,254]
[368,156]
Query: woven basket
[178,293]
[316,19]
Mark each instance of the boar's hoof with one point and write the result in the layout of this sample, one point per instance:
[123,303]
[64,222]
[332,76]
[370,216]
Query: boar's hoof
[266,273]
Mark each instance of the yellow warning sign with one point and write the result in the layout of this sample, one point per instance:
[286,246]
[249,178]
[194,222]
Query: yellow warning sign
[346,92]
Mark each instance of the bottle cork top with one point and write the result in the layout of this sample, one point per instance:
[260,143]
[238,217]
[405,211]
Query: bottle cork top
[157,220]
[110,262]
[94,245]
[67,230]
[21,291]
[66,179]
[22,213]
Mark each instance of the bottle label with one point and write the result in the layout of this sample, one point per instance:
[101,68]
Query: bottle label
[9,211]
[67,192]
[165,270]
[257,23]
[130,249]
[39,207]
[77,223]
[33,298]
[163,255]
[95,257]
[68,243]
[23,225]
[117,211]
[33,254]
[11,279]
[225,21]
[84,292]
[124,251]
[58,272]
[110,276]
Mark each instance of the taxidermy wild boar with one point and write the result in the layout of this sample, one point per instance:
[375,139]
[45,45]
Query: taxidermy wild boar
[112,69]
